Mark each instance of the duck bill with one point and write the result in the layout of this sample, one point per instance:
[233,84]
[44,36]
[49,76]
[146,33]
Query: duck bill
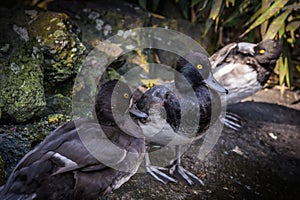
[133,110]
[212,83]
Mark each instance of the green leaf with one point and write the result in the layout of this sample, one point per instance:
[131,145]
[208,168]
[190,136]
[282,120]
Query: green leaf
[232,19]
[230,1]
[215,9]
[271,11]
[208,24]
[264,26]
[295,6]
[254,16]
[292,26]
[244,5]
[275,25]
[281,31]
[282,66]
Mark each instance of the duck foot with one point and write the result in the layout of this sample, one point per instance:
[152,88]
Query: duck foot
[190,178]
[232,121]
[158,172]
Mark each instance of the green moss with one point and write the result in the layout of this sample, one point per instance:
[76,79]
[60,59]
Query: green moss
[21,82]
[59,43]
[59,104]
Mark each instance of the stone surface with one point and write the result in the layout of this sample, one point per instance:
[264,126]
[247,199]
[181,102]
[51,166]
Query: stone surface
[37,49]
[62,49]
[21,76]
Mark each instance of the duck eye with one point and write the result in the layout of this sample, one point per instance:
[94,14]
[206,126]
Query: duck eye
[262,51]
[126,95]
[199,66]
[150,84]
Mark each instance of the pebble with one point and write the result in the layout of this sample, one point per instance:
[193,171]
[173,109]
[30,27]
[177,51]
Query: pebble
[273,136]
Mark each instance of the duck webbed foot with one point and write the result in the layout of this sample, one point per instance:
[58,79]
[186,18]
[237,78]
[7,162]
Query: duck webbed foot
[177,170]
[232,121]
[159,173]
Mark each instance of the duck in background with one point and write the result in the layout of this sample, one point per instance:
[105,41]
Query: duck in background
[244,68]
[180,111]
[61,167]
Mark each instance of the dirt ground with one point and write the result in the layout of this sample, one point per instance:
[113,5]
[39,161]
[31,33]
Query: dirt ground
[261,161]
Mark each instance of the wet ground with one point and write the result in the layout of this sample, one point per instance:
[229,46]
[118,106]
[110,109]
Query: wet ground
[261,161]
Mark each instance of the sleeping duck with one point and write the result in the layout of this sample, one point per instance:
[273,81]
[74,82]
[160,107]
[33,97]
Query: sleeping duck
[62,168]
[180,111]
[244,68]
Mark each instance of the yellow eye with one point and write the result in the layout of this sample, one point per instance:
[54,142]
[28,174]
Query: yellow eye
[262,51]
[126,95]
[199,66]
[150,84]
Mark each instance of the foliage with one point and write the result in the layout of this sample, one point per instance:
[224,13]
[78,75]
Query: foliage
[259,19]
[273,18]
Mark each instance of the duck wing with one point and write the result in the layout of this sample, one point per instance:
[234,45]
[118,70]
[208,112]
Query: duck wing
[220,56]
[61,167]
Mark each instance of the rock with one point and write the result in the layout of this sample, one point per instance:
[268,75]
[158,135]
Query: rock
[2,171]
[21,77]
[59,104]
[101,20]
[63,51]
[17,140]
[37,48]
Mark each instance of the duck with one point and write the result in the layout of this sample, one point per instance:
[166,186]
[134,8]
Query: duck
[244,68]
[179,112]
[64,165]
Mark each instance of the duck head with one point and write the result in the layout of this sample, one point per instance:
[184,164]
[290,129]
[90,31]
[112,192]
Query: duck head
[114,103]
[195,68]
[268,51]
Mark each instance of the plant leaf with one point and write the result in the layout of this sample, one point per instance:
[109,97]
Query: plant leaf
[230,1]
[281,31]
[215,9]
[271,11]
[264,26]
[281,69]
[208,24]
[292,26]
[275,25]
[254,16]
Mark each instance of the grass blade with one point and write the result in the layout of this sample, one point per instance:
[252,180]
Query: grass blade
[276,25]
[271,11]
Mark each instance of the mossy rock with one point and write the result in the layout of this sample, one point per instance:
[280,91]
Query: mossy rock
[100,20]
[61,47]
[22,92]
[38,48]
[59,104]
[21,77]
[17,140]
